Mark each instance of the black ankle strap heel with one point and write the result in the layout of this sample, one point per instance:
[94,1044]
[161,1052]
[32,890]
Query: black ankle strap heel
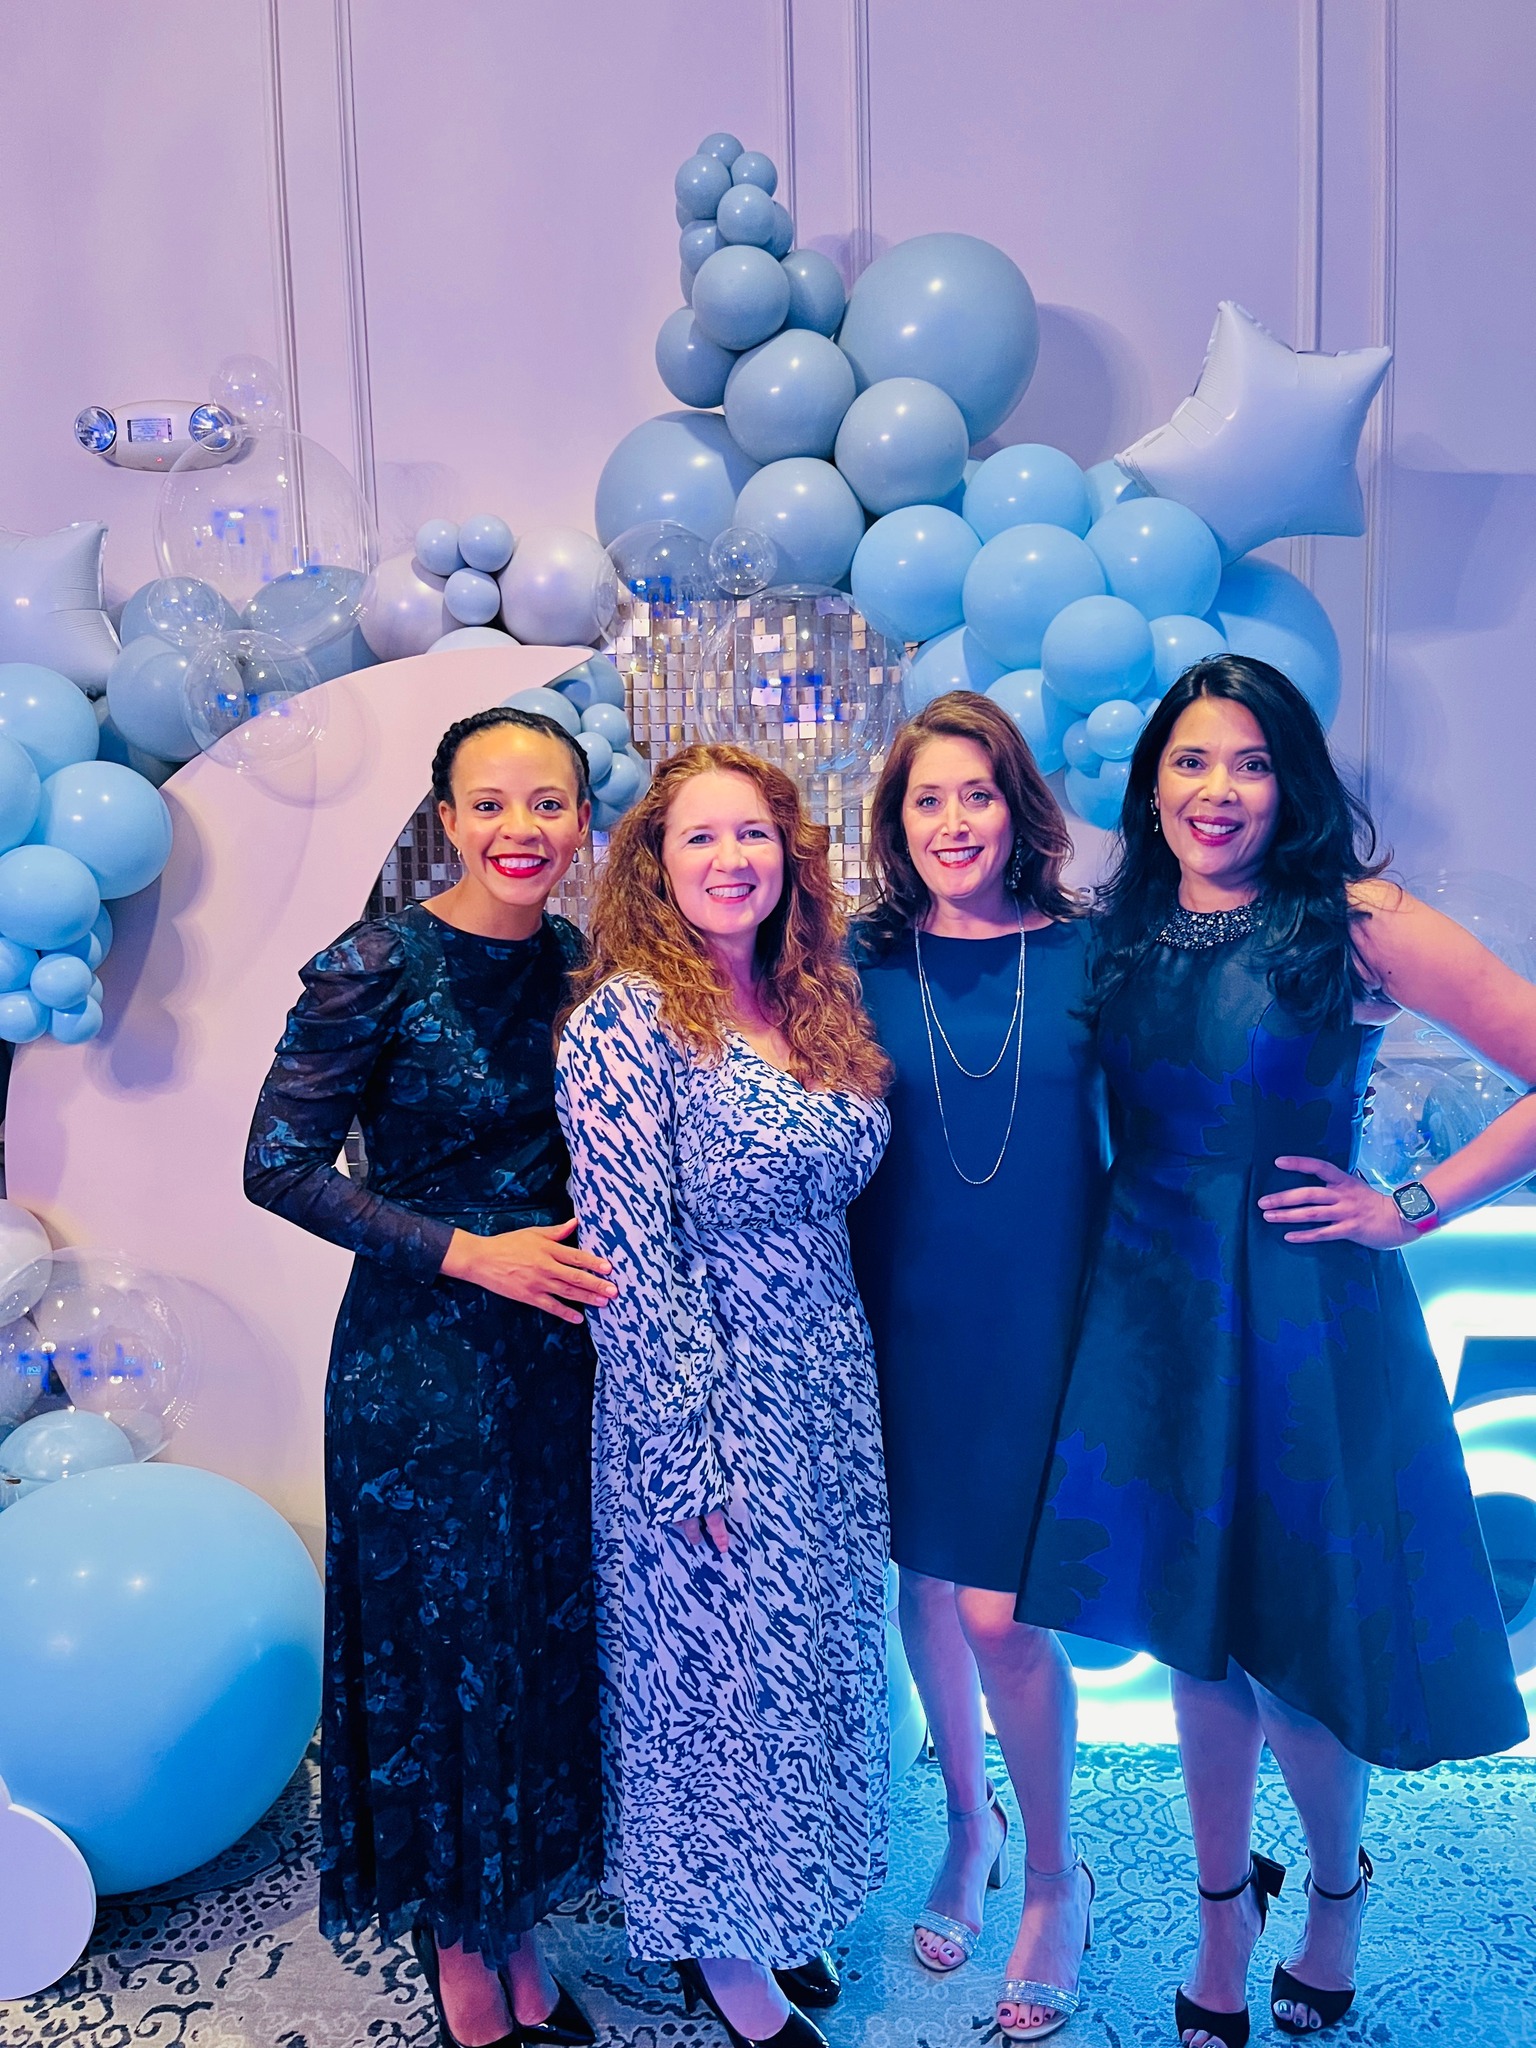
[1232,2028]
[1289,1991]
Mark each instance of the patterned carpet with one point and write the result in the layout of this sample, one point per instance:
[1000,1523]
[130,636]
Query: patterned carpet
[230,1958]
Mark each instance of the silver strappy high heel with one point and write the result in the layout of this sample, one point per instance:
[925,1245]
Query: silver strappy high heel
[958,1933]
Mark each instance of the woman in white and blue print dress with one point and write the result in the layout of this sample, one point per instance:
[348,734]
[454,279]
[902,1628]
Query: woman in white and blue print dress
[720,1090]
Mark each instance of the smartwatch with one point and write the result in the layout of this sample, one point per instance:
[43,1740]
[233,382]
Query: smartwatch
[1416,1205]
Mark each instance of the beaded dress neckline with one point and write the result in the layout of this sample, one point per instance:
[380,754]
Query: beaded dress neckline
[1196,931]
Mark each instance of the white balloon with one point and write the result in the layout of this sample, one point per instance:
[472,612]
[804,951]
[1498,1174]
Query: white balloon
[47,1901]
[403,610]
[472,636]
[559,589]
[26,1260]
[1266,446]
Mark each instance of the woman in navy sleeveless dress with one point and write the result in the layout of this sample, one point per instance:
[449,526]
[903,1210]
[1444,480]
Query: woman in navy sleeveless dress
[1257,1477]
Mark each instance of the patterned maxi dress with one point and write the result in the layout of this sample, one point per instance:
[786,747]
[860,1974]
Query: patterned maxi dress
[744,1710]
[459,1746]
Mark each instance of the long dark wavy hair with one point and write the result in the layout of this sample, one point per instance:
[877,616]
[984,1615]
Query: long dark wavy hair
[1322,842]
[1042,841]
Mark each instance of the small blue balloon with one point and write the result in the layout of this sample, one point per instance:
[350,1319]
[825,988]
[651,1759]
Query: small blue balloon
[1177,644]
[437,547]
[599,755]
[954,661]
[22,1017]
[1158,556]
[147,695]
[1038,713]
[96,944]
[1094,799]
[63,1442]
[788,397]
[1109,485]
[753,168]
[909,572]
[45,713]
[1031,484]
[682,214]
[692,367]
[548,704]
[593,681]
[721,144]
[48,898]
[486,543]
[472,597]
[608,721]
[700,185]
[112,820]
[902,442]
[808,512]
[1095,649]
[816,294]
[1019,582]
[79,1026]
[740,296]
[62,981]
[701,238]
[623,782]
[17,963]
[1114,728]
[746,215]
[1078,751]
[471,636]
[1266,612]
[782,240]
[681,466]
[21,788]
[1115,776]
[604,816]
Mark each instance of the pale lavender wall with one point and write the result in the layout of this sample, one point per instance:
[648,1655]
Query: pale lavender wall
[476,329]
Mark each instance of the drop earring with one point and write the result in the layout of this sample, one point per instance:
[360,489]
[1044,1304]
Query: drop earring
[1157,823]
[1014,875]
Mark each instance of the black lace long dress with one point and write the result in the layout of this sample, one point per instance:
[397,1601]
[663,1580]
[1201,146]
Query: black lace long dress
[461,1780]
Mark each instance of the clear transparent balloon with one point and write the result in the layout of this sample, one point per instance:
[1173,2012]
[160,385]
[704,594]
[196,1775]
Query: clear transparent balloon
[22,1371]
[743,560]
[661,563]
[112,1334]
[187,611]
[802,678]
[251,389]
[1421,1112]
[1496,909]
[247,695]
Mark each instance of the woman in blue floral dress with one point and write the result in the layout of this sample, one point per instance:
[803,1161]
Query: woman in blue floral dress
[719,1089]
[461,1783]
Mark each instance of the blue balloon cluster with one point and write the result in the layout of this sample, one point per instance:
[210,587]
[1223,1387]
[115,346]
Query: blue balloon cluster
[75,832]
[470,556]
[588,701]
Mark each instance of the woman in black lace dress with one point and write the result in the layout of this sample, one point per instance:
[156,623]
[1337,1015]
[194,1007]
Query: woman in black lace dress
[461,1795]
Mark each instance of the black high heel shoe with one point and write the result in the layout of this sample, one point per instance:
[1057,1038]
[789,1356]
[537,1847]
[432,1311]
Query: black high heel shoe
[424,1942]
[1266,1877]
[1330,2006]
[796,2032]
[566,2027]
[813,1985]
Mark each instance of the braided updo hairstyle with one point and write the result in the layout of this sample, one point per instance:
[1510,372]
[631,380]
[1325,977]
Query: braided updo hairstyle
[486,721]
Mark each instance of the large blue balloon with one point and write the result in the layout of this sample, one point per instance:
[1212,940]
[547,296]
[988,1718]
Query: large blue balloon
[1027,485]
[816,294]
[909,570]
[682,466]
[1158,556]
[954,661]
[692,367]
[809,514]
[1019,582]
[146,695]
[109,818]
[45,713]
[343,657]
[163,1632]
[48,898]
[789,396]
[740,296]
[902,442]
[953,310]
[1266,612]
[1096,649]
[1177,644]
[1038,713]
[20,791]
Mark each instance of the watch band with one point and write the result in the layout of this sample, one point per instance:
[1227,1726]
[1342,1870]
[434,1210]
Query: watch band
[1417,1207]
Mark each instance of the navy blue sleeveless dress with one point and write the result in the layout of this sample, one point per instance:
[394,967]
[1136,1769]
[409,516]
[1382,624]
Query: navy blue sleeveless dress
[461,1783]
[1256,1458]
[971,1292]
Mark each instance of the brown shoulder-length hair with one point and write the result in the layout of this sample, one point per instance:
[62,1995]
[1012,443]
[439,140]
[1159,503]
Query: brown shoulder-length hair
[808,988]
[1041,839]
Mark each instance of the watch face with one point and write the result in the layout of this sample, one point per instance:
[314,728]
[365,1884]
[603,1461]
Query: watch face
[1414,1202]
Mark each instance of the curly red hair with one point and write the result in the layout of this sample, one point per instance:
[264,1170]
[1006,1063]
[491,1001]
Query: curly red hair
[808,989]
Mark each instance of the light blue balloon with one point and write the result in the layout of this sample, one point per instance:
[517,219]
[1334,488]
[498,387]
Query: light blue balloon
[700,185]
[61,1444]
[22,1018]
[604,816]
[1158,556]
[1077,749]
[1177,644]
[682,214]
[599,755]
[1095,649]
[745,215]
[96,944]
[954,661]
[782,239]
[1027,485]
[680,466]
[623,782]
[45,713]
[343,657]
[548,704]
[723,145]
[788,397]
[593,681]
[112,820]
[61,981]
[472,597]
[471,636]
[909,571]
[437,547]
[138,617]
[609,721]
[902,442]
[692,367]
[308,608]
[1019,582]
[1266,612]
[740,296]
[816,294]
[486,542]
[163,1630]
[1109,485]
[79,1026]
[1038,713]
[17,963]
[21,789]
[950,309]
[1093,799]
[48,898]
[1115,776]
[701,238]
[810,515]
[146,696]
[1114,728]
[753,168]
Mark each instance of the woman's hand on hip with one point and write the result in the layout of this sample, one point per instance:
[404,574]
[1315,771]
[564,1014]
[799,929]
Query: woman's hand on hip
[535,1266]
[1343,1207]
[712,1527]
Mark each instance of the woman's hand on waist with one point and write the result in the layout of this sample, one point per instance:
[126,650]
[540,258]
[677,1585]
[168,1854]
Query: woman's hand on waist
[535,1266]
[1343,1207]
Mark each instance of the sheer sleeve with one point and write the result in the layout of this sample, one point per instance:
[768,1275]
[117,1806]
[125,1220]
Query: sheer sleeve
[336,1034]
[616,1075]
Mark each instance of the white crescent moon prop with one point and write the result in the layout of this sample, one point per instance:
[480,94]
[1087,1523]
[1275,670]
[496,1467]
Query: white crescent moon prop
[47,1901]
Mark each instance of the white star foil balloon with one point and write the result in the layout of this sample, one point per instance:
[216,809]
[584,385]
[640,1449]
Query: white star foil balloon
[50,603]
[1266,444]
